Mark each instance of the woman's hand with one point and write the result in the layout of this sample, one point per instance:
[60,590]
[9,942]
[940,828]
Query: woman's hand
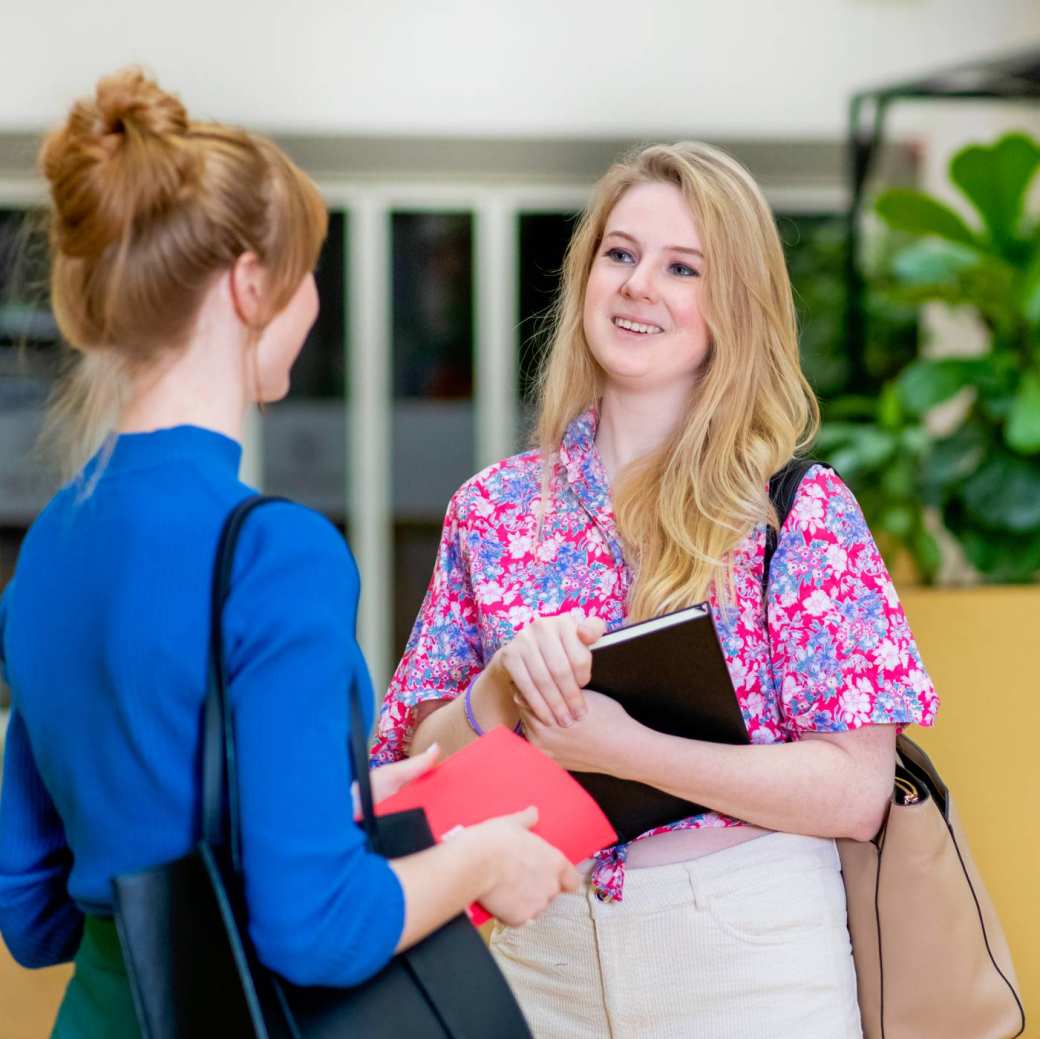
[548,662]
[596,743]
[527,873]
[388,779]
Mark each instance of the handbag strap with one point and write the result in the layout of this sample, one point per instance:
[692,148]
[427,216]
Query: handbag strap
[359,760]
[219,773]
[220,807]
[783,486]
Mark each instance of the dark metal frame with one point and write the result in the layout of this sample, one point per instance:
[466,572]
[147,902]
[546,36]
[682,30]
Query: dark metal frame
[1012,77]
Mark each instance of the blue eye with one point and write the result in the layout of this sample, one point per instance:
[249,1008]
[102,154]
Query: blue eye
[684,270]
[618,255]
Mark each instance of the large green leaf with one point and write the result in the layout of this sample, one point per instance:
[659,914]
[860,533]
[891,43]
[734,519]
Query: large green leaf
[926,383]
[952,460]
[995,179]
[933,261]
[1004,494]
[835,435]
[998,382]
[863,452]
[905,209]
[991,286]
[1023,427]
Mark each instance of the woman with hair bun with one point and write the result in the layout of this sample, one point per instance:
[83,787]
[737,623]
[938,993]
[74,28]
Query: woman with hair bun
[671,394]
[181,259]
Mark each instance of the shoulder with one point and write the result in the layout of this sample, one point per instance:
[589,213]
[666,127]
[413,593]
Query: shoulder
[288,525]
[293,578]
[509,484]
[295,544]
[46,534]
[287,522]
[824,507]
[52,518]
[826,534]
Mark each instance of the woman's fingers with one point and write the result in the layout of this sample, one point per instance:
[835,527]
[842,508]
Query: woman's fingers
[388,779]
[519,675]
[538,669]
[409,768]
[569,663]
[570,880]
[549,662]
[590,629]
[556,654]
[580,659]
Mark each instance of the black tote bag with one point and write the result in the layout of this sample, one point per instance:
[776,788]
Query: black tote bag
[183,925]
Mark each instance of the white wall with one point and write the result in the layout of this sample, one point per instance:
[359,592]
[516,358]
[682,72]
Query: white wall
[569,67]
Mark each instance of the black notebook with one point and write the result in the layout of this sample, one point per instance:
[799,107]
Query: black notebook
[669,674]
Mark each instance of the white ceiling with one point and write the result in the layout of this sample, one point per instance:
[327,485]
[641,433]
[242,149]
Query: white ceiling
[536,67]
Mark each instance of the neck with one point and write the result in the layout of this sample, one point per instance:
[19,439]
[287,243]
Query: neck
[201,383]
[633,424]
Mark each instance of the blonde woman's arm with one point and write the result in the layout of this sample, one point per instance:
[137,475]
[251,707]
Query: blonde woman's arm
[825,784]
[545,666]
[847,675]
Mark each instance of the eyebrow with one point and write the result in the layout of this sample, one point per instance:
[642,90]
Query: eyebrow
[670,248]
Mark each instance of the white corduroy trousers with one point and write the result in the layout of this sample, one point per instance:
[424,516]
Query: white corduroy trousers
[747,943]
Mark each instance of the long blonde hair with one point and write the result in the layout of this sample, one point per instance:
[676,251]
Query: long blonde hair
[147,206]
[682,510]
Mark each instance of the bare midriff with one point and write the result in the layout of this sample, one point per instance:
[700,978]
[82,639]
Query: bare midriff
[664,849]
[682,845]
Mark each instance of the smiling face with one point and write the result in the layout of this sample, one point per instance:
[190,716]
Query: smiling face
[642,314]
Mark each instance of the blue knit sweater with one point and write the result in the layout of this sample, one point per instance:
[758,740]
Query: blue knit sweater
[104,640]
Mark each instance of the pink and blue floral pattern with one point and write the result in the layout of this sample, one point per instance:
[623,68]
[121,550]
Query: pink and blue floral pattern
[834,654]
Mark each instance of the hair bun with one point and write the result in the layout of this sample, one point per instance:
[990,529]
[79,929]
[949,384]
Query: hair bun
[129,101]
[120,157]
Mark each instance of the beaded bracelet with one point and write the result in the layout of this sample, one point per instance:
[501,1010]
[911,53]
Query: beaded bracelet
[467,704]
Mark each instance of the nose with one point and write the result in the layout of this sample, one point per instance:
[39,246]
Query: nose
[639,284]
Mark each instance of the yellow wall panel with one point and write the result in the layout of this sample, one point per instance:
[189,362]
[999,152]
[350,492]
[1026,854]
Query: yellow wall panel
[982,649]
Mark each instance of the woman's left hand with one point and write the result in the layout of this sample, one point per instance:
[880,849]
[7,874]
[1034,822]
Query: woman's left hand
[595,743]
[388,779]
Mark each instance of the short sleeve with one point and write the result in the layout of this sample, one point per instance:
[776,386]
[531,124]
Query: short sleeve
[842,652]
[444,650]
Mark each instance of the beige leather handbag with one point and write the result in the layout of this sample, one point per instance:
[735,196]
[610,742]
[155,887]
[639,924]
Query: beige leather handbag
[931,958]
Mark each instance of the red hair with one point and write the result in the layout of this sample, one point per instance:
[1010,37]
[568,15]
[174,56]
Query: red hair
[147,206]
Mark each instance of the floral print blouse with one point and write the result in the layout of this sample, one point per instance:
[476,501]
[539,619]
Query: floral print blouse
[833,651]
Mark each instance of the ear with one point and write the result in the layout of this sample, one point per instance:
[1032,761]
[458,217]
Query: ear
[247,283]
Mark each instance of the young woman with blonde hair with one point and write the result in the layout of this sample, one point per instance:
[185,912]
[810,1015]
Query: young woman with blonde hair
[671,393]
[181,257]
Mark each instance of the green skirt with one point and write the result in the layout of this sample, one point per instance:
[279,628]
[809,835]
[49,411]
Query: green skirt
[98,1003]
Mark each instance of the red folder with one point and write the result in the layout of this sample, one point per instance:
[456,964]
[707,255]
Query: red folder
[498,774]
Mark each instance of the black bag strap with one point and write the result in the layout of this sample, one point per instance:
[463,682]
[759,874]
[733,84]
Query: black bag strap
[783,486]
[219,772]
[359,759]
[220,812]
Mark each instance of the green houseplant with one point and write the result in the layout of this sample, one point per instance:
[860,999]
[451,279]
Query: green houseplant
[979,478]
[983,475]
